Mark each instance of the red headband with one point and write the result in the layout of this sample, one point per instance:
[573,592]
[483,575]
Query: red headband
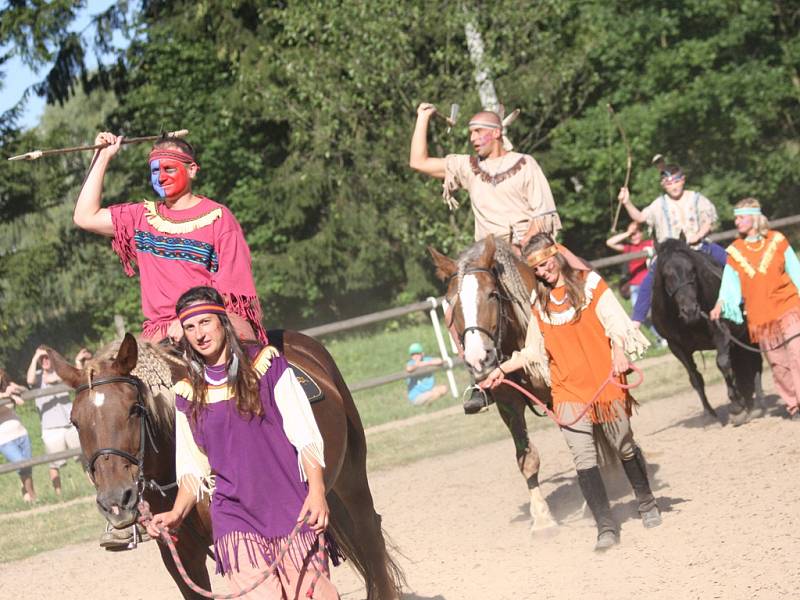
[159,153]
[203,308]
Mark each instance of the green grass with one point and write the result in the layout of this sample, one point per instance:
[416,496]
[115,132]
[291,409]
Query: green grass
[73,481]
[26,534]
[361,355]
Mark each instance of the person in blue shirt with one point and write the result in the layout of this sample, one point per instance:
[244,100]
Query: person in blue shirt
[422,389]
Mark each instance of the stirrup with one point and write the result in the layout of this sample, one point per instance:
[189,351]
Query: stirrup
[470,406]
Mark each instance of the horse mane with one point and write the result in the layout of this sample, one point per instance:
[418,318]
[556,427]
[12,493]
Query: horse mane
[154,367]
[508,275]
[698,259]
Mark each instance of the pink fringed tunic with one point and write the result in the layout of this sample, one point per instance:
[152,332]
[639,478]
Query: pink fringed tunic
[175,250]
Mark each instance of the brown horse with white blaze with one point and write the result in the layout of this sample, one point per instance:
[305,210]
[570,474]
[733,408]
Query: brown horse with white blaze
[488,292]
[127,437]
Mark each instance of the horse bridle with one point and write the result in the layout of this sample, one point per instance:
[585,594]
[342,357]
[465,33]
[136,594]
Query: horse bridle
[497,336]
[671,292]
[145,433]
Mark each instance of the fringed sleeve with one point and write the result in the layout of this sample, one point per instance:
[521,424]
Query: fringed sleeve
[533,356]
[192,470]
[730,295]
[234,278]
[124,218]
[618,326]
[456,171]
[540,199]
[299,424]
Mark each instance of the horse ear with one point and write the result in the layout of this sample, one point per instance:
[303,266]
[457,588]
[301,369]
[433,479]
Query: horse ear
[69,374]
[127,355]
[445,267]
[489,248]
[682,237]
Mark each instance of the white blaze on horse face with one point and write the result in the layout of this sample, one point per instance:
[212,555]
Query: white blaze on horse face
[98,398]
[474,352]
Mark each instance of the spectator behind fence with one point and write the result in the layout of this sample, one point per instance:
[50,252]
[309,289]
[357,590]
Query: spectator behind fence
[637,267]
[15,443]
[422,389]
[58,432]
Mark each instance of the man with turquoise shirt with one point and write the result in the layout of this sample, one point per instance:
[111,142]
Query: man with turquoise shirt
[422,389]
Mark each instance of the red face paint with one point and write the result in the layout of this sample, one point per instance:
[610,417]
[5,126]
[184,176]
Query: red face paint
[173,177]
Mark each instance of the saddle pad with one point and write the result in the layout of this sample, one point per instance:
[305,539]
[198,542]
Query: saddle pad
[310,386]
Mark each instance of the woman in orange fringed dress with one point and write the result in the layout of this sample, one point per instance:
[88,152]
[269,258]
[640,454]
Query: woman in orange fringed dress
[584,335]
[763,272]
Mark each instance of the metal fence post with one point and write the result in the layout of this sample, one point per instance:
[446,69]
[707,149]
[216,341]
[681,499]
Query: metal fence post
[437,330]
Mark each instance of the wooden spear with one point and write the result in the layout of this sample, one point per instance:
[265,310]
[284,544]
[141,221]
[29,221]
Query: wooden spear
[629,160]
[136,140]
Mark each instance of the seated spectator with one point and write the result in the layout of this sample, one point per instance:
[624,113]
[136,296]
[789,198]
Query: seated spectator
[15,443]
[58,432]
[422,389]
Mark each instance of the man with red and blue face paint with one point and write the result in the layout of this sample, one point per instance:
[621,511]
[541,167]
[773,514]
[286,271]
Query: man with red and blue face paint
[181,241]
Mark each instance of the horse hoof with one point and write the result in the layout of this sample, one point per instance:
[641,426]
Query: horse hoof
[740,418]
[544,526]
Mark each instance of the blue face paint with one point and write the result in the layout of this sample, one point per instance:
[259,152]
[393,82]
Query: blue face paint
[155,175]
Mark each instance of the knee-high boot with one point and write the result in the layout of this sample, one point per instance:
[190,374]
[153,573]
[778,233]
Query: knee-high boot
[636,470]
[594,490]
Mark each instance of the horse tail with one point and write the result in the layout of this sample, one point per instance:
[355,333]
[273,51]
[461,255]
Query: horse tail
[383,577]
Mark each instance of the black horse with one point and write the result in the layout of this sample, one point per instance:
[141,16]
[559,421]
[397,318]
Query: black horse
[685,289]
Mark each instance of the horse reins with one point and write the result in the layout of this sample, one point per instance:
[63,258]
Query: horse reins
[317,562]
[611,379]
[727,331]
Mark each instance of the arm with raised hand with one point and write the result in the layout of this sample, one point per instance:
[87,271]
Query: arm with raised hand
[418,156]
[89,214]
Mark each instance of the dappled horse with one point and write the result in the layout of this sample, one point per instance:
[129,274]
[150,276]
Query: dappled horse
[128,441]
[685,289]
[489,298]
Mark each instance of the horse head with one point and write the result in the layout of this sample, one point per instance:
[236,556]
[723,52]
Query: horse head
[114,423]
[480,308]
[678,273]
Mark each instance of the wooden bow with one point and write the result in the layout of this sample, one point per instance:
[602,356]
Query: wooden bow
[136,140]
[629,161]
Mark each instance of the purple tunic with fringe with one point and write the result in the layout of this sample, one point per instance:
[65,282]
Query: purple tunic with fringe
[259,491]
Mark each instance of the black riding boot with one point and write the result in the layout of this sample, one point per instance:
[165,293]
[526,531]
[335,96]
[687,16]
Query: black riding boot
[594,490]
[478,400]
[636,470]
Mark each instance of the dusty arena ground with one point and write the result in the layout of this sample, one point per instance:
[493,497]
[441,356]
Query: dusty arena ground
[729,497]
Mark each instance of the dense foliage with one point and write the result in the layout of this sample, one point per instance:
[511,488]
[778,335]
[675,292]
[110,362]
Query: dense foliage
[302,113]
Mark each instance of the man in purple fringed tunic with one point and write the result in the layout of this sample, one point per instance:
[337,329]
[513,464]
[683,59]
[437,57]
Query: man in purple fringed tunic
[245,434]
[181,241]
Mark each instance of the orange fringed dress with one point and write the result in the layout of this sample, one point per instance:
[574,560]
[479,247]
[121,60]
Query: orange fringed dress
[769,294]
[579,353]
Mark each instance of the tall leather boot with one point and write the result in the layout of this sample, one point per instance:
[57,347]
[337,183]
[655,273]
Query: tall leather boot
[636,470]
[594,490]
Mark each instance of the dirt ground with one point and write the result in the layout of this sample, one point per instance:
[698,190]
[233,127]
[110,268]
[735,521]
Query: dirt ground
[729,497]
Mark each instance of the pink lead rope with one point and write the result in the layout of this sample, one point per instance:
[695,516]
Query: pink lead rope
[610,379]
[317,562]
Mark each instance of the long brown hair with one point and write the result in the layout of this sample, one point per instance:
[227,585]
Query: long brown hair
[243,379]
[573,279]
